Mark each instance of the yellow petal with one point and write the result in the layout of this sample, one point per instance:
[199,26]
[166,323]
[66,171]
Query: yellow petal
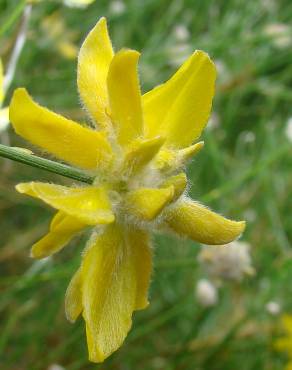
[198,223]
[109,291]
[1,83]
[187,153]
[62,229]
[140,153]
[142,254]
[172,159]
[179,109]
[89,205]
[73,297]
[283,344]
[147,203]
[179,183]
[94,59]
[57,220]
[62,137]
[124,96]
[286,321]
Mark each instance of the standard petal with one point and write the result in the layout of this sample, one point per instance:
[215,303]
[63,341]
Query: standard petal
[90,205]
[94,59]
[62,137]
[147,203]
[62,229]
[73,297]
[179,109]
[125,96]
[110,285]
[198,223]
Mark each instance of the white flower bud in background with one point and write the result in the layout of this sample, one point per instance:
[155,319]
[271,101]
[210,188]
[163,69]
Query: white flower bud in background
[181,33]
[78,3]
[227,262]
[247,137]
[288,130]
[56,367]
[273,308]
[250,215]
[206,293]
[4,119]
[269,5]
[279,33]
[117,7]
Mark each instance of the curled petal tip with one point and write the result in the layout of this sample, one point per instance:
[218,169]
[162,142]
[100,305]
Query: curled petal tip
[241,226]
[21,188]
[200,224]
[33,254]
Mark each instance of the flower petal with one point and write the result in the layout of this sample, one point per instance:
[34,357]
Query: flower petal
[73,297]
[179,109]
[142,254]
[187,153]
[140,153]
[64,138]
[125,96]
[169,159]
[179,183]
[62,229]
[110,288]
[94,59]
[147,203]
[198,223]
[283,344]
[286,321]
[89,205]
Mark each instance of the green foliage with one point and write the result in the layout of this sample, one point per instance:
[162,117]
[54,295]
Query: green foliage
[242,172]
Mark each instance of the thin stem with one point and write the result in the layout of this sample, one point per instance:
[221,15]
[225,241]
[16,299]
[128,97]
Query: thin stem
[12,18]
[19,155]
[18,46]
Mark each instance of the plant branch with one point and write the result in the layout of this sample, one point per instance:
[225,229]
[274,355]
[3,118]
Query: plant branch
[19,155]
[18,46]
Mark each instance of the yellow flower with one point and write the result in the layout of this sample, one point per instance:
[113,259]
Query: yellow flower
[284,344]
[56,32]
[137,155]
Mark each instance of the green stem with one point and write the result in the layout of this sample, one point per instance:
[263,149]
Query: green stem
[18,155]
[12,17]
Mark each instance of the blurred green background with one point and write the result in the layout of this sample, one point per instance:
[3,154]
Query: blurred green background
[243,172]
